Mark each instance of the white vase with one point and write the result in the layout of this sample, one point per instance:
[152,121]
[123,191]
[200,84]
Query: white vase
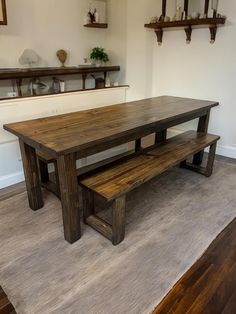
[98,63]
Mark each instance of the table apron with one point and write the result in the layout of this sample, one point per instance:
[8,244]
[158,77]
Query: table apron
[82,153]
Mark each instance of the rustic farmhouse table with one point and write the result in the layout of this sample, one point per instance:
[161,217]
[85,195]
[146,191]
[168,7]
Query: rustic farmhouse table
[76,135]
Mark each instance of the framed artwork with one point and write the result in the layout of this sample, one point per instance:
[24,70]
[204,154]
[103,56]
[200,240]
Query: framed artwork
[3,12]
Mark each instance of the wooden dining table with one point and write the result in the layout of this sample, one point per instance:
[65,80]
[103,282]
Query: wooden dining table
[76,135]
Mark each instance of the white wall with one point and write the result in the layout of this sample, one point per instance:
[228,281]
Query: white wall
[199,70]
[202,70]
[31,108]
[47,26]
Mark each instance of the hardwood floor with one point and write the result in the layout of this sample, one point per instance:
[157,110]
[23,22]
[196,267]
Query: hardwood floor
[210,285]
[12,191]
[5,305]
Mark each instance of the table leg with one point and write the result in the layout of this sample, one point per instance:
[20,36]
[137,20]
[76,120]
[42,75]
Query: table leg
[202,127]
[138,144]
[84,76]
[67,176]
[160,136]
[32,179]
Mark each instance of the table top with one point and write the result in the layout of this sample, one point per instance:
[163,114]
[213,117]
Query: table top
[78,131]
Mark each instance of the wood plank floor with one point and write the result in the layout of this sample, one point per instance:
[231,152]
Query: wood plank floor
[210,285]
[5,305]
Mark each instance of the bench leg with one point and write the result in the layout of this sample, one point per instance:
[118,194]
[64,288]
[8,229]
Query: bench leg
[43,168]
[88,203]
[202,127]
[57,188]
[138,145]
[118,220]
[160,136]
[115,232]
[207,171]
[210,161]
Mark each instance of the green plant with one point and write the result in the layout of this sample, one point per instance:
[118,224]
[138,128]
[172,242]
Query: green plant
[99,54]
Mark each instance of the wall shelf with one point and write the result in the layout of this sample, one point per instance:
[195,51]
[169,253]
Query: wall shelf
[187,25]
[17,75]
[97,25]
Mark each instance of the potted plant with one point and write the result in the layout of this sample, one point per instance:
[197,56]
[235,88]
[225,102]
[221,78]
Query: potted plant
[99,56]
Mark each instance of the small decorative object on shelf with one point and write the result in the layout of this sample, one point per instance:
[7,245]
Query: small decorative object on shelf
[92,15]
[38,87]
[184,20]
[62,57]
[107,81]
[29,58]
[195,15]
[96,16]
[214,6]
[58,86]
[92,19]
[99,56]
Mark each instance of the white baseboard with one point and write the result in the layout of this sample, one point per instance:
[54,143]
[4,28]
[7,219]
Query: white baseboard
[11,179]
[14,178]
[226,151]
[18,177]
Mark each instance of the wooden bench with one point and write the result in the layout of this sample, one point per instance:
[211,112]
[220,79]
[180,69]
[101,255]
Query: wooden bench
[44,160]
[113,182]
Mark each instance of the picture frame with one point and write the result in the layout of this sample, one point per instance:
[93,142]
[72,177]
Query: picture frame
[3,12]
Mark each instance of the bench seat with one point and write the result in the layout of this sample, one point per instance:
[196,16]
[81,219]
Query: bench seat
[133,172]
[115,181]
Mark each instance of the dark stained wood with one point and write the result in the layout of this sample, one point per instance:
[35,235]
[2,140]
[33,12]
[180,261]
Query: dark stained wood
[186,8]
[96,25]
[163,7]
[119,179]
[31,172]
[43,168]
[184,23]
[5,305]
[202,127]
[187,25]
[51,181]
[88,132]
[160,136]
[138,144]
[202,170]
[4,13]
[206,8]
[9,74]
[210,284]
[118,220]
[69,197]
[18,74]
[100,225]
[63,134]
[88,203]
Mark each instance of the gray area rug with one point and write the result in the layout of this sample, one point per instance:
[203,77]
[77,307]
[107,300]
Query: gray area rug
[170,223]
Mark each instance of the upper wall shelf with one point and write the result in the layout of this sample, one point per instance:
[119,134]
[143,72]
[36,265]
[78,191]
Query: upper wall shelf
[182,19]
[187,25]
[97,25]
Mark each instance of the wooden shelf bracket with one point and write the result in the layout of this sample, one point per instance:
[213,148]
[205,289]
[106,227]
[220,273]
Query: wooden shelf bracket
[213,31]
[188,31]
[159,33]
